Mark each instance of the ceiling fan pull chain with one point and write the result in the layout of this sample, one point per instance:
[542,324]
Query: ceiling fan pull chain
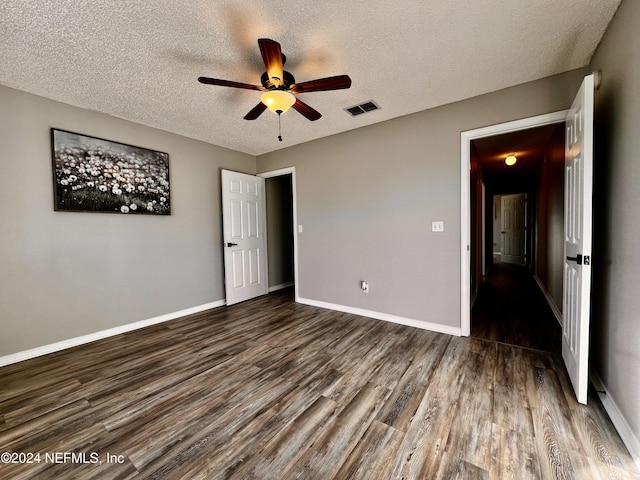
[279,126]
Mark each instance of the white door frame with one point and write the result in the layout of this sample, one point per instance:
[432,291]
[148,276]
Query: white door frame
[465,205]
[278,173]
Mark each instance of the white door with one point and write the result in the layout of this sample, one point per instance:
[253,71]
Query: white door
[513,228]
[245,242]
[577,238]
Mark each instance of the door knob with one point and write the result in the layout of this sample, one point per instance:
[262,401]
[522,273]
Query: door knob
[577,259]
[229,244]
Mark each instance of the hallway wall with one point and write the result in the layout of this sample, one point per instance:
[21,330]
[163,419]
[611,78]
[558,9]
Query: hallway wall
[549,242]
[616,264]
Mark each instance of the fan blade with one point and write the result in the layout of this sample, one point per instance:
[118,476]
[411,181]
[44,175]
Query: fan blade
[229,83]
[255,111]
[306,111]
[272,58]
[330,83]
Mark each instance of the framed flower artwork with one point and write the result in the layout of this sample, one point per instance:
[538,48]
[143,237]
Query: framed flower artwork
[95,175]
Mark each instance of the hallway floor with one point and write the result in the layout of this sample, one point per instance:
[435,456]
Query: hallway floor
[511,309]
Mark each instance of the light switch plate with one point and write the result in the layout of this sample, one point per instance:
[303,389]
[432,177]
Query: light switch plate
[437,227]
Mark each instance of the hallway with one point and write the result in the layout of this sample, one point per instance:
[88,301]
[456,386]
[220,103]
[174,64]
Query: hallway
[511,309]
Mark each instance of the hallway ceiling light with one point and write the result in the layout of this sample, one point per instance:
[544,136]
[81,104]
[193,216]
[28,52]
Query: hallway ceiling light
[510,160]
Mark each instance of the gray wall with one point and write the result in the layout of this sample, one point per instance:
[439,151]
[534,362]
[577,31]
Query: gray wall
[366,199]
[62,274]
[549,231]
[616,263]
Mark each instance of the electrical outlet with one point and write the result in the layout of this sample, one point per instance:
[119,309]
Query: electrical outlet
[364,286]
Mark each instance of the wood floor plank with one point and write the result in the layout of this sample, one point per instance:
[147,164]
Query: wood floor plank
[124,416]
[513,455]
[335,444]
[454,468]
[267,424]
[411,387]
[223,416]
[69,415]
[512,401]
[145,379]
[470,433]
[510,308]
[412,347]
[40,401]
[271,389]
[290,444]
[371,459]
[424,443]
[358,375]
[554,440]
[205,454]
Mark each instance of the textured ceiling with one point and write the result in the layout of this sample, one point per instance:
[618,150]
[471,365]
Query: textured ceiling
[139,60]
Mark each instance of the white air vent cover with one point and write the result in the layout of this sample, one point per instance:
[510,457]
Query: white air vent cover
[363,108]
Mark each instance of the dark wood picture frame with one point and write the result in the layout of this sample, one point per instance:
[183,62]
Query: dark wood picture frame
[92,174]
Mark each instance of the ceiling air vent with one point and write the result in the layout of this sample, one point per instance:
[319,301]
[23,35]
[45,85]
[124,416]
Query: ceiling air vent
[362,108]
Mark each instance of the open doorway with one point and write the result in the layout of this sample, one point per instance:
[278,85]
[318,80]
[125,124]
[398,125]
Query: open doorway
[516,237]
[281,214]
[577,223]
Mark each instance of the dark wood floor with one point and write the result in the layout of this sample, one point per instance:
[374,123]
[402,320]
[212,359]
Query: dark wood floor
[270,389]
[510,308]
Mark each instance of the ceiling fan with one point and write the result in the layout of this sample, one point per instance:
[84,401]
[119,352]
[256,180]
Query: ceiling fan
[280,87]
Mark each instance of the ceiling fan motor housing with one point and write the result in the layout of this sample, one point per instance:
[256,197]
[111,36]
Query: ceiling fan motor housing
[287,81]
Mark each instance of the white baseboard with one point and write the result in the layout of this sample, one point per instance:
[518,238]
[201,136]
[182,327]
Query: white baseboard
[627,435]
[550,301]
[91,337]
[281,286]
[434,327]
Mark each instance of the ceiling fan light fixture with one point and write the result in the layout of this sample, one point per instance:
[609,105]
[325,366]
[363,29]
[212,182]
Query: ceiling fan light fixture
[510,160]
[278,101]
